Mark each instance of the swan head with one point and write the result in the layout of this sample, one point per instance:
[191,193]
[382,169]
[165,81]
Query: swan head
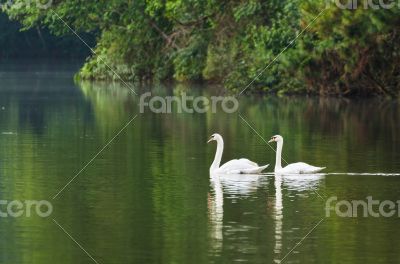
[216,137]
[276,138]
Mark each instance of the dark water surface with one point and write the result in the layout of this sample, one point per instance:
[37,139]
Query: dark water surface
[148,197]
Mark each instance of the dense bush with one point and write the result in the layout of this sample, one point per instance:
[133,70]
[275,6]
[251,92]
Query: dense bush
[342,52]
[349,52]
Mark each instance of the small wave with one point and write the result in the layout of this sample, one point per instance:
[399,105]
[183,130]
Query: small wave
[364,173]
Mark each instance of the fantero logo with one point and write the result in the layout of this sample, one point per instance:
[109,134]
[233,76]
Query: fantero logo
[366,4]
[27,208]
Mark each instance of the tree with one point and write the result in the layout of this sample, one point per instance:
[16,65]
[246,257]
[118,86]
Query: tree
[342,52]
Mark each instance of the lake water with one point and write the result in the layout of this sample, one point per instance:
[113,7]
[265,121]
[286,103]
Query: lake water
[148,196]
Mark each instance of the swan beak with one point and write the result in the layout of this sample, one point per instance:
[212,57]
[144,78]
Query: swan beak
[209,140]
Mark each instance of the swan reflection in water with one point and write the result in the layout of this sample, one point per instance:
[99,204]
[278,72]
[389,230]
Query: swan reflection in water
[235,186]
[278,217]
[290,182]
[240,185]
[303,182]
[215,205]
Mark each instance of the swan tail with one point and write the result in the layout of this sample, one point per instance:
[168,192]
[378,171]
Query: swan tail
[318,169]
[256,170]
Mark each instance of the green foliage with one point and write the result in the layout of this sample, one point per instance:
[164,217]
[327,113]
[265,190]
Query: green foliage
[348,52]
[341,52]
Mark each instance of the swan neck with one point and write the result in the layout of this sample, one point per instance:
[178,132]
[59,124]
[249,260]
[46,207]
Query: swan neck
[278,164]
[218,155]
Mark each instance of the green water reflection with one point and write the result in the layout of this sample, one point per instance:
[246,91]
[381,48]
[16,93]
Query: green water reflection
[148,197]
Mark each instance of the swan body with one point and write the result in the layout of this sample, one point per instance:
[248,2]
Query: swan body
[300,168]
[236,166]
[294,168]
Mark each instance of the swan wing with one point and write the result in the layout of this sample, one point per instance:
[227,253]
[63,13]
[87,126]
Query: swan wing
[249,162]
[240,166]
[255,170]
[301,168]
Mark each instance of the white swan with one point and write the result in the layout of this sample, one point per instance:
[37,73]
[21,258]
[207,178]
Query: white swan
[294,168]
[237,166]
